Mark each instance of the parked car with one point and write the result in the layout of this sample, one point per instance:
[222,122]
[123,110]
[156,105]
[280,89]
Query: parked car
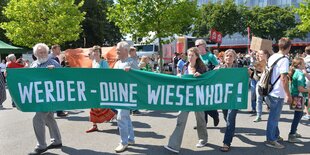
[150,50]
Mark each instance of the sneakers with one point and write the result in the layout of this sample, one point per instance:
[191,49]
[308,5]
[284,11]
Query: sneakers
[306,117]
[54,146]
[171,149]
[135,112]
[274,144]
[120,148]
[293,139]
[201,143]
[62,114]
[297,135]
[257,119]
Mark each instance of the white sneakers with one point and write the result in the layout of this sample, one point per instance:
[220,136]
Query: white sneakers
[121,148]
[201,143]
[306,117]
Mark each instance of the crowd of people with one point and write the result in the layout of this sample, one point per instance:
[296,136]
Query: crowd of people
[289,79]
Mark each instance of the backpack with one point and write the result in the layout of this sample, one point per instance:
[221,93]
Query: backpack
[265,86]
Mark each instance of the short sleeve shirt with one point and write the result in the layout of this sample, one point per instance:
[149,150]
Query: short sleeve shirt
[209,58]
[281,67]
[298,80]
[129,62]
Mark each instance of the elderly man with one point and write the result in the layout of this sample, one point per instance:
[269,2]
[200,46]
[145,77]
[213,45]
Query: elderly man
[123,117]
[210,61]
[41,119]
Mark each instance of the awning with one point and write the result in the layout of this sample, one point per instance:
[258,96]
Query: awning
[7,49]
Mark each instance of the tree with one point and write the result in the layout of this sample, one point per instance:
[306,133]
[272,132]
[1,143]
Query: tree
[164,17]
[97,30]
[48,21]
[225,17]
[3,19]
[304,14]
[272,22]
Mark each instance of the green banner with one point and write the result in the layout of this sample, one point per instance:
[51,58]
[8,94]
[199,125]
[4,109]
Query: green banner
[42,89]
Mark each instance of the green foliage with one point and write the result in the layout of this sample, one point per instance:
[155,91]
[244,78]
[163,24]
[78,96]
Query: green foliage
[272,22]
[48,21]
[304,14]
[3,19]
[97,30]
[164,17]
[225,18]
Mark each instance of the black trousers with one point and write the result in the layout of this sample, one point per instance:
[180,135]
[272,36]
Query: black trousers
[213,113]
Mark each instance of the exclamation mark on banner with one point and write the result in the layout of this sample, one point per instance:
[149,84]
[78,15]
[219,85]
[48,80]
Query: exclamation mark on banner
[239,99]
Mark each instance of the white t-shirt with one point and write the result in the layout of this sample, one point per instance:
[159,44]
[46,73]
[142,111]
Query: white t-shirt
[129,62]
[2,66]
[281,67]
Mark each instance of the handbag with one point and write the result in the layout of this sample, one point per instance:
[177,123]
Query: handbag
[297,103]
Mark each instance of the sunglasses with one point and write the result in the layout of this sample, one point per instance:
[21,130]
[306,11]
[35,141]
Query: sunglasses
[198,45]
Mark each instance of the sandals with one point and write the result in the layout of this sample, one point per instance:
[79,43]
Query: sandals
[225,148]
[94,128]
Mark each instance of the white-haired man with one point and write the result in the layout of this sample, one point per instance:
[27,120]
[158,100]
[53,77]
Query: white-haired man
[123,116]
[41,119]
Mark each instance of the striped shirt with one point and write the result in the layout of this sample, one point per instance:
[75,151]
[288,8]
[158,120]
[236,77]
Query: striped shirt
[49,62]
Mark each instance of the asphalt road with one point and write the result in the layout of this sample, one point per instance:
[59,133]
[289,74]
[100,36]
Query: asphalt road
[152,131]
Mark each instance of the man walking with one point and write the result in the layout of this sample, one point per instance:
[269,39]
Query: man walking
[123,116]
[41,119]
[279,92]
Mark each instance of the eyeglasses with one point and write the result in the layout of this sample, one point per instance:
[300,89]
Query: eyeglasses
[198,45]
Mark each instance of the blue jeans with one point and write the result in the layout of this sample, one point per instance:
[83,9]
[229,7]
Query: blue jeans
[296,120]
[125,126]
[253,94]
[259,103]
[230,116]
[276,105]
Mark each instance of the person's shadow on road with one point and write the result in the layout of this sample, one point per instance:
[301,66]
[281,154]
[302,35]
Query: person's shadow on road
[70,150]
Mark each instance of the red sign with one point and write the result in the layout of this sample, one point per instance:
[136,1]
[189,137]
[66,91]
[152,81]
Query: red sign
[215,36]
[218,37]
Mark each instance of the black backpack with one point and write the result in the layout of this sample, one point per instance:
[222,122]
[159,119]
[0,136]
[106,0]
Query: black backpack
[265,86]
